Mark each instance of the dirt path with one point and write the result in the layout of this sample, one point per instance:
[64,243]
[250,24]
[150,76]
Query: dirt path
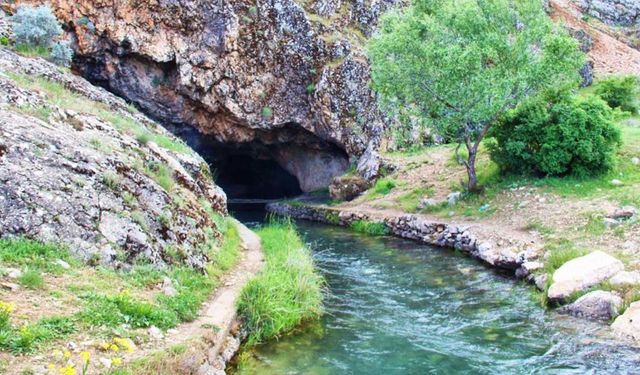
[609,55]
[219,313]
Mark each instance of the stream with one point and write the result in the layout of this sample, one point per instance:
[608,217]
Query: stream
[398,307]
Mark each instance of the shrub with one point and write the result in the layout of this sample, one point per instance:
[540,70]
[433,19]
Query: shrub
[35,26]
[619,92]
[61,53]
[557,134]
[267,112]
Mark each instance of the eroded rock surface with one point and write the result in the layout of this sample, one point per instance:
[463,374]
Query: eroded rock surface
[614,12]
[582,273]
[280,73]
[79,167]
[628,324]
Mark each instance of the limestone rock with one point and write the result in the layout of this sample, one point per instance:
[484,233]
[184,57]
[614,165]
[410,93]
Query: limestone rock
[582,273]
[70,178]
[625,278]
[454,197]
[347,188]
[596,305]
[635,161]
[613,12]
[13,273]
[264,74]
[426,203]
[167,287]
[628,324]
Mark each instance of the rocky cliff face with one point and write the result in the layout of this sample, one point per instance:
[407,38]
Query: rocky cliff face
[614,12]
[286,79]
[79,166]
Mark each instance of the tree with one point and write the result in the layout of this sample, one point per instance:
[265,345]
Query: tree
[35,26]
[460,64]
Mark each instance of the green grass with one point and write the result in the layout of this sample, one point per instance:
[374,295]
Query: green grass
[31,279]
[161,174]
[23,252]
[111,179]
[370,228]
[33,51]
[287,292]
[382,187]
[409,201]
[27,338]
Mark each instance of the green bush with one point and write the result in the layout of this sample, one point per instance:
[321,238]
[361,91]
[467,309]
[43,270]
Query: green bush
[35,26]
[556,134]
[61,53]
[371,228]
[620,92]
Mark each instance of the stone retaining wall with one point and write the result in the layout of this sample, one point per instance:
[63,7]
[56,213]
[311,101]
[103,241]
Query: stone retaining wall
[511,256]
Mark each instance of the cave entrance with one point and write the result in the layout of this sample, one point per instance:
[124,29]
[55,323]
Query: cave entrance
[245,171]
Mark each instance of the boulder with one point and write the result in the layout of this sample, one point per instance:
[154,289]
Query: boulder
[426,203]
[582,273]
[454,197]
[625,278]
[623,213]
[346,188]
[596,305]
[628,324]
[635,161]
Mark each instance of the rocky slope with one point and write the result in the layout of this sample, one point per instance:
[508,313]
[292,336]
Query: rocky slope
[79,166]
[284,79]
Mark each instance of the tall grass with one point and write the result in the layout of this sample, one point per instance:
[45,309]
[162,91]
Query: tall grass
[287,292]
[370,228]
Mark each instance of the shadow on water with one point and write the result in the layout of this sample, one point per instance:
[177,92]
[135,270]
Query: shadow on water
[398,307]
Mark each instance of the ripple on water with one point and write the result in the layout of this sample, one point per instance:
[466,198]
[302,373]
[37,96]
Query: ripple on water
[397,307]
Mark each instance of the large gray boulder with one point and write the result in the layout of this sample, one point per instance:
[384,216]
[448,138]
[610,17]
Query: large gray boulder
[582,273]
[625,278]
[596,305]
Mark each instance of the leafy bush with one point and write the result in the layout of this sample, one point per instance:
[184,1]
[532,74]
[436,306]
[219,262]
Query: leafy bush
[620,92]
[557,134]
[61,53]
[35,26]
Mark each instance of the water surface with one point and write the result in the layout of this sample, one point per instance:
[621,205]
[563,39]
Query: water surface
[398,307]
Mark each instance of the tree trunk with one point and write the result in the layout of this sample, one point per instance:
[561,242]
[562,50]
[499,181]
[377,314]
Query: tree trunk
[472,186]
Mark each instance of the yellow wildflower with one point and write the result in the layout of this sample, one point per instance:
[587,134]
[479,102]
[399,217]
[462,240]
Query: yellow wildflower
[85,356]
[116,361]
[124,343]
[69,370]
[67,354]
[51,366]
[114,347]
[6,308]
[105,346]
[57,353]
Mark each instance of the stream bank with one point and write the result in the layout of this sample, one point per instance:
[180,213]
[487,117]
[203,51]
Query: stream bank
[398,307]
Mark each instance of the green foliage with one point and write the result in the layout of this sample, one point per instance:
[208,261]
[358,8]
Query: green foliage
[112,311]
[61,53]
[35,26]
[557,135]
[287,292]
[383,186]
[267,112]
[229,252]
[143,138]
[161,174]
[31,279]
[4,40]
[456,65]
[29,336]
[111,179]
[409,201]
[311,88]
[371,228]
[620,92]
[33,254]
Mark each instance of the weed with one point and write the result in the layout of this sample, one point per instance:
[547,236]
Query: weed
[143,138]
[111,180]
[161,174]
[370,228]
[138,218]
[32,279]
[267,112]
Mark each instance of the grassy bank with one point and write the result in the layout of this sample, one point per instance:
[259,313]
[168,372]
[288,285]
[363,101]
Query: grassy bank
[62,300]
[287,292]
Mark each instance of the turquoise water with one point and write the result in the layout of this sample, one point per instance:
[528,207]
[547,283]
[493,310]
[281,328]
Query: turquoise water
[397,307]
